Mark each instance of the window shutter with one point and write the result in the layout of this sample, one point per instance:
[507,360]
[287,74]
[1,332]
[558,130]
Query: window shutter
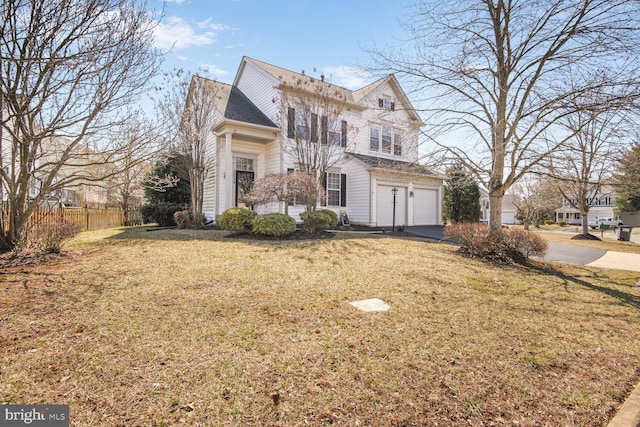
[343,190]
[290,170]
[291,123]
[314,127]
[323,199]
[324,129]
[343,134]
[380,102]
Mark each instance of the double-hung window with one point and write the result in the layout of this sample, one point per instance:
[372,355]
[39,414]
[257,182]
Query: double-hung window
[386,139]
[335,185]
[333,189]
[397,144]
[374,139]
[386,103]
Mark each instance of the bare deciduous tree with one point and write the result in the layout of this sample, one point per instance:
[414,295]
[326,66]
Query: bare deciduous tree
[141,146]
[66,70]
[315,115]
[584,163]
[188,106]
[495,76]
[536,198]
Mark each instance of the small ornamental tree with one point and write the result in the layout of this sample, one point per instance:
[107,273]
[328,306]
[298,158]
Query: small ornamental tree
[292,187]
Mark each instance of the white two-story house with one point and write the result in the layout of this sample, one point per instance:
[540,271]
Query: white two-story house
[375,138]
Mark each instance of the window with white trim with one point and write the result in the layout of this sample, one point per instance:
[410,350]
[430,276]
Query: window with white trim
[374,139]
[397,144]
[386,103]
[333,189]
[302,128]
[385,140]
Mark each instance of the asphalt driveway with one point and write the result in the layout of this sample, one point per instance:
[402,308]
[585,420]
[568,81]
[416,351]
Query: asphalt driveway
[557,252]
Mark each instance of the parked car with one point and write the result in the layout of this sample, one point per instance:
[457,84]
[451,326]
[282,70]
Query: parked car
[610,222]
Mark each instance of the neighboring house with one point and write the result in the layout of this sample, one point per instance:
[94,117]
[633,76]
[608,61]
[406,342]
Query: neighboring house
[509,209]
[83,164]
[252,131]
[602,206]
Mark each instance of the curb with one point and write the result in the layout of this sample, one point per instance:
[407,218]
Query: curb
[629,413]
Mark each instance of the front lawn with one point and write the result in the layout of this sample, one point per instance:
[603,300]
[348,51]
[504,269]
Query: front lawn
[179,327]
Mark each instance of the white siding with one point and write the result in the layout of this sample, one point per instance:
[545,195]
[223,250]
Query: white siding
[272,158]
[398,119]
[209,197]
[358,192]
[258,86]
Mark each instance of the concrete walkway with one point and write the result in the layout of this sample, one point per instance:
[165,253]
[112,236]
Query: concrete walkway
[580,255]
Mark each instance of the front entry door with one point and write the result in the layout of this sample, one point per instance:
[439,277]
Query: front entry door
[244,182]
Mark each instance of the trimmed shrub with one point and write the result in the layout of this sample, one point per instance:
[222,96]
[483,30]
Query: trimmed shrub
[548,222]
[333,217]
[160,213]
[318,220]
[274,224]
[182,219]
[236,219]
[562,223]
[507,245]
[185,219]
[49,236]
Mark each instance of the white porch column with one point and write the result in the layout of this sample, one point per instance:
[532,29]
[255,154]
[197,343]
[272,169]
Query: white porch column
[228,181]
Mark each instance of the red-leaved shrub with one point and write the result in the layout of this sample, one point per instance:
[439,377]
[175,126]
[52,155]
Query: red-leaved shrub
[506,245]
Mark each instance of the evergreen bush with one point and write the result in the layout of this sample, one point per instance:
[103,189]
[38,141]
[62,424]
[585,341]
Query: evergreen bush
[236,219]
[274,224]
[318,220]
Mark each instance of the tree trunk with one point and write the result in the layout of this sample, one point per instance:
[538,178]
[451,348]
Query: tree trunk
[495,212]
[584,213]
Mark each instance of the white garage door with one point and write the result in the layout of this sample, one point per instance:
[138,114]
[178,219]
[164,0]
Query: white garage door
[384,208]
[508,218]
[425,207]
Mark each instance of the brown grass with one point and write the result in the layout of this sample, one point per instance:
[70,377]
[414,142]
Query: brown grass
[180,327]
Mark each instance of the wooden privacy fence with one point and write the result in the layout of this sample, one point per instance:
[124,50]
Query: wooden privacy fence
[87,219]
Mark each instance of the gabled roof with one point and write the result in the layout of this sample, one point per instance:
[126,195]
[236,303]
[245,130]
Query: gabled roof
[395,165]
[234,105]
[288,77]
[355,98]
[361,94]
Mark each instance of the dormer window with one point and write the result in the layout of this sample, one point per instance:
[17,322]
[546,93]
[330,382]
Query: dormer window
[386,103]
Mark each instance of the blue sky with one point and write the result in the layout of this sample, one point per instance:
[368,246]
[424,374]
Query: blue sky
[326,36]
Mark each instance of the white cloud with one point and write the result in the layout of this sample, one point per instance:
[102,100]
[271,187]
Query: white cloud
[178,2]
[210,25]
[349,77]
[213,70]
[177,33]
